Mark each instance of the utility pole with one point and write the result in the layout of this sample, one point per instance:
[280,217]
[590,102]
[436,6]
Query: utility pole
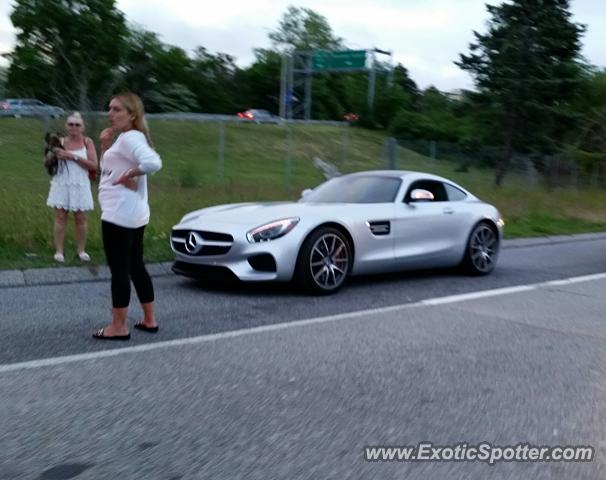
[372,74]
[308,88]
[290,85]
[283,86]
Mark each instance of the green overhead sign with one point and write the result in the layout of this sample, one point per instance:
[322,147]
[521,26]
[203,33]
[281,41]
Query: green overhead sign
[339,60]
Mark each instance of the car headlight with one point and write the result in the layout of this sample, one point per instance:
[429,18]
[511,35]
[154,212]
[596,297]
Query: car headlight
[500,221]
[271,231]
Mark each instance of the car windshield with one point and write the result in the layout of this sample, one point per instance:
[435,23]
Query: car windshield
[356,189]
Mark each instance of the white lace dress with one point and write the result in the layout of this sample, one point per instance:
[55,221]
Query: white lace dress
[70,186]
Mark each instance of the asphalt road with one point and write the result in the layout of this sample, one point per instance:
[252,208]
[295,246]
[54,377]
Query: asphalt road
[54,320]
[301,400]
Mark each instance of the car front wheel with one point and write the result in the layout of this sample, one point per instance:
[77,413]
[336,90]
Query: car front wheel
[482,250]
[324,261]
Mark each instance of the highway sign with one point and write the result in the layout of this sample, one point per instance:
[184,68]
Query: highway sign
[338,60]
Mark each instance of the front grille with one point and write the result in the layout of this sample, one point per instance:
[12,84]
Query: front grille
[210,236]
[202,243]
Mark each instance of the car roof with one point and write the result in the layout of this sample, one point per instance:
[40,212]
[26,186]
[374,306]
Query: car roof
[409,174]
[400,174]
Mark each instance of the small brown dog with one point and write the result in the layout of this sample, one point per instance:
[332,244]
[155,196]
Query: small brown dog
[51,161]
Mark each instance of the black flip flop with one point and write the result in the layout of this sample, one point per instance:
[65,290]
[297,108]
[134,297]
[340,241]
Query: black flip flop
[145,328]
[100,335]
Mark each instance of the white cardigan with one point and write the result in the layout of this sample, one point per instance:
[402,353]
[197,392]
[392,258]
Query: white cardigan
[121,205]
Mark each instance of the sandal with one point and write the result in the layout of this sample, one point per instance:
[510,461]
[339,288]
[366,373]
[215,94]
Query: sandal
[145,328]
[100,335]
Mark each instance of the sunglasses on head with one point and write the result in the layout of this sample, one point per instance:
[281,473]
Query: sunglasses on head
[74,124]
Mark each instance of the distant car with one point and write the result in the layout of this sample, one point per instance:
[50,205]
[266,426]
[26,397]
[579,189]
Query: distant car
[259,116]
[361,223]
[351,117]
[28,107]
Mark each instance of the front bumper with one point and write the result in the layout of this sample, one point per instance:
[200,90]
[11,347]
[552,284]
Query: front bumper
[228,254]
[203,272]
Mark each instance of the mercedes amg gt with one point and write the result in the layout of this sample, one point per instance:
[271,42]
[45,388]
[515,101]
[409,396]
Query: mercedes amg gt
[356,224]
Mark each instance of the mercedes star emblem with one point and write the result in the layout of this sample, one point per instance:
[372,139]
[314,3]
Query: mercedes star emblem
[194,243]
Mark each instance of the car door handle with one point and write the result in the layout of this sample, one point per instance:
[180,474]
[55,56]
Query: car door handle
[448,211]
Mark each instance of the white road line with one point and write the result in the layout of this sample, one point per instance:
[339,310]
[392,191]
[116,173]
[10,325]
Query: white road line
[568,281]
[49,362]
[475,295]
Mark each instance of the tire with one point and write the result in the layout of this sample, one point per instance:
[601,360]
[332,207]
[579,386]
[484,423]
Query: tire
[324,262]
[482,250]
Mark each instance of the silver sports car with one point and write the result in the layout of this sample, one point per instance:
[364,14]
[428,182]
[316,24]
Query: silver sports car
[362,223]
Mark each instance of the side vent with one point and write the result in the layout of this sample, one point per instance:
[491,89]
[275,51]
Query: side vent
[379,227]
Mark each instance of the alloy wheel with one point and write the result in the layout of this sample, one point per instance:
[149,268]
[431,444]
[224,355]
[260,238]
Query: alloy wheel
[483,248]
[329,261]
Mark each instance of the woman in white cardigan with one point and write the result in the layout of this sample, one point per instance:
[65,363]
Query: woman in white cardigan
[125,211]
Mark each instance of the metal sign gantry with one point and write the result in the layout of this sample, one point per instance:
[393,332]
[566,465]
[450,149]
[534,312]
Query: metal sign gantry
[299,67]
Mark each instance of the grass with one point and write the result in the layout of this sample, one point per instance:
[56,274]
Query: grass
[260,162]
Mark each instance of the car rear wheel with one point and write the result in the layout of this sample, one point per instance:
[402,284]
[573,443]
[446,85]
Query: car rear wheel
[324,262]
[482,250]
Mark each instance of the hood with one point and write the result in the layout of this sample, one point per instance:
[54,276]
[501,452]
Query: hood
[254,214]
[244,213]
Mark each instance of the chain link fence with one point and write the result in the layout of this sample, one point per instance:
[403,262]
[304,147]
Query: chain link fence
[562,170]
[213,149]
[226,142]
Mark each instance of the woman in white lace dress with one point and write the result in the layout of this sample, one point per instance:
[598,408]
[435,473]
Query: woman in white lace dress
[70,186]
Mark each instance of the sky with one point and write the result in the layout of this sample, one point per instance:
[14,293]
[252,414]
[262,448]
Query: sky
[426,36]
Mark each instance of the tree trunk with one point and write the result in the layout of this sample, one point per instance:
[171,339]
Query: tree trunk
[503,166]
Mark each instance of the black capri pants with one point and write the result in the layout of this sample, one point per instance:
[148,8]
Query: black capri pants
[124,252]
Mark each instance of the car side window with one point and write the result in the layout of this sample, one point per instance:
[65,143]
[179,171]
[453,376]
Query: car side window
[436,188]
[454,194]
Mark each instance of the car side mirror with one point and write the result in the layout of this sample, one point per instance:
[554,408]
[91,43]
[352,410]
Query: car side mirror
[306,192]
[421,195]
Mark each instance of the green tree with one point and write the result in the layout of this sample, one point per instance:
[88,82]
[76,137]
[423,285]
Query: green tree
[67,51]
[588,143]
[213,81]
[432,118]
[591,108]
[402,78]
[159,73]
[305,30]
[528,67]
[259,85]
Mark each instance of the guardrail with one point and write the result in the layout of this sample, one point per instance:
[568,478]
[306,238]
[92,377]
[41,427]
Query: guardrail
[211,117]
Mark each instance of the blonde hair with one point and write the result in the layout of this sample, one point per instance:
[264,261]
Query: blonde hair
[75,116]
[133,104]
